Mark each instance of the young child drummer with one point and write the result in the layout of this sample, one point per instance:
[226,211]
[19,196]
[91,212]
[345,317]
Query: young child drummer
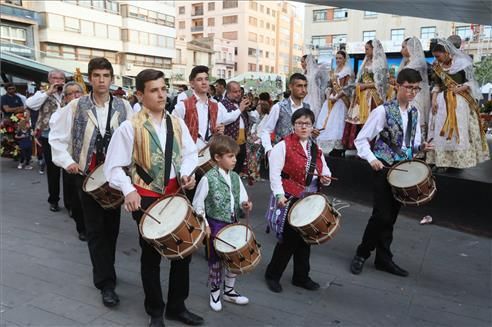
[219,197]
[297,166]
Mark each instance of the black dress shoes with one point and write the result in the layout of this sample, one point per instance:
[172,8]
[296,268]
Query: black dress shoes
[391,267]
[273,285]
[82,236]
[156,322]
[54,207]
[357,264]
[310,285]
[109,297]
[186,318]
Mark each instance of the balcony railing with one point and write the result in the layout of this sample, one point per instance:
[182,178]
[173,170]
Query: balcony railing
[197,29]
[224,62]
[197,12]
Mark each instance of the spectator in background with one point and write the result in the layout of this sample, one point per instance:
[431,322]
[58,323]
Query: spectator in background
[23,137]
[211,91]
[182,95]
[220,89]
[120,93]
[11,102]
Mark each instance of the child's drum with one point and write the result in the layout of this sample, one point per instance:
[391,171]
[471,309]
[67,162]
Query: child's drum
[413,184]
[95,185]
[314,218]
[245,255]
[205,163]
[180,231]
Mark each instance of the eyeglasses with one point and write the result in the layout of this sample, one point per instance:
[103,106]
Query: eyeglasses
[412,89]
[303,124]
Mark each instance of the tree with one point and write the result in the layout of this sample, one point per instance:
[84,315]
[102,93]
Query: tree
[483,71]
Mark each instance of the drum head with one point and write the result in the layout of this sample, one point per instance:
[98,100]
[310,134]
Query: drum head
[96,181]
[416,173]
[172,216]
[307,210]
[233,234]
[204,157]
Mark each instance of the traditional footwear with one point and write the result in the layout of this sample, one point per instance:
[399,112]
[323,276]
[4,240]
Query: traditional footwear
[391,267]
[234,297]
[186,317]
[54,207]
[310,285]
[109,297]
[215,303]
[156,322]
[357,264]
[273,285]
[82,236]
[28,167]
[19,166]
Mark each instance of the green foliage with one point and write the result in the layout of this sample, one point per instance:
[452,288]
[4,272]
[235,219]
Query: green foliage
[483,71]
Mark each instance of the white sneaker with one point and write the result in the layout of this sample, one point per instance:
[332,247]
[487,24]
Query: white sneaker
[215,303]
[19,166]
[234,297]
[28,167]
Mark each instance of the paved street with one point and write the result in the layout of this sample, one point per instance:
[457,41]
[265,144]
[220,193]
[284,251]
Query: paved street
[46,273]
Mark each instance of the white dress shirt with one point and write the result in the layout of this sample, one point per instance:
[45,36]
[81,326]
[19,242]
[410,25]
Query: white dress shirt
[374,125]
[202,192]
[120,152]
[271,123]
[61,123]
[137,107]
[223,117]
[36,101]
[277,162]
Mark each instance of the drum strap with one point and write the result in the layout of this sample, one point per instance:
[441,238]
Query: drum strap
[143,174]
[408,132]
[312,163]
[168,151]
[102,143]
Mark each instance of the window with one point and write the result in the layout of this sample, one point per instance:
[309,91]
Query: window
[181,10]
[262,24]
[465,32]
[13,34]
[253,5]
[114,33]
[273,27]
[368,35]
[370,14]
[339,38]
[83,54]
[320,15]
[68,52]
[274,13]
[227,4]
[143,38]
[253,21]
[251,52]
[267,26]
[262,8]
[87,28]
[398,35]
[340,13]
[229,20]
[211,6]
[487,32]
[427,32]
[267,54]
[230,35]
[52,50]
[252,37]
[55,21]
[252,67]
[211,22]
[101,30]
[181,25]
[72,24]
[268,11]
[319,41]
[148,15]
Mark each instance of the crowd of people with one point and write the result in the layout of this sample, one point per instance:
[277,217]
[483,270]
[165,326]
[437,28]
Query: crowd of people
[149,147]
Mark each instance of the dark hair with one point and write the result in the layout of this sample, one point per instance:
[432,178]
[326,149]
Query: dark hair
[303,112]
[436,47]
[304,57]
[8,84]
[286,94]
[370,43]
[408,75]
[222,144]
[297,76]
[212,88]
[221,81]
[185,87]
[147,75]
[406,40]
[265,96]
[198,70]
[99,63]
[343,53]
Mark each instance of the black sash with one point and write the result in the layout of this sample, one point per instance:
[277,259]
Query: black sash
[102,142]
[168,151]
[314,153]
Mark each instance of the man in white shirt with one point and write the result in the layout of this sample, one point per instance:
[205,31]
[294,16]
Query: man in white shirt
[397,126]
[279,118]
[79,138]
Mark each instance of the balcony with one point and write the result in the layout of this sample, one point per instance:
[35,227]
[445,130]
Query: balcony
[197,12]
[20,13]
[224,62]
[195,29]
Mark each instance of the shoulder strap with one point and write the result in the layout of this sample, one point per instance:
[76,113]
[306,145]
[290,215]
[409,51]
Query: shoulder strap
[168,151]
[312,163]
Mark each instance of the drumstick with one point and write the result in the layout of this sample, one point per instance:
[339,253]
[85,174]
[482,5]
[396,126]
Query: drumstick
[419,152]
[84,174]
[246,215]
[218,238]
[200,153]
[177,191]
[329,177]
[399,169]
[150,216]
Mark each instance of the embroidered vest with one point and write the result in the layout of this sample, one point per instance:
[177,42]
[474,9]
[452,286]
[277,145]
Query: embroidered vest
[85,128]
[191,116]
[232,129]
[295,165]
[391,137]
[148,152]
[49,106]
[284,125]
[218,200]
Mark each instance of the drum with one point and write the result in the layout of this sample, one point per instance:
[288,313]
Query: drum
[245,256]
[413,184]
[205,163]
[96,185]
[180,231]
[315,218]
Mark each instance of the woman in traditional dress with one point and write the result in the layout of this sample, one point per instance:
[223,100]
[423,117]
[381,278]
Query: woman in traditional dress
[331,119]
[317,77]
[454,121]
[414,58]
[370,90]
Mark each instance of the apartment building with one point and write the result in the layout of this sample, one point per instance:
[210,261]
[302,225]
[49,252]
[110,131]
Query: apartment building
[329,28]
[133,35]
[251,27]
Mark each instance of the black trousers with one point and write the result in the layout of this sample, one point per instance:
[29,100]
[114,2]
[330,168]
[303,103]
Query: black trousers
[379,230]
[72,201]
[292,245]
[102,228]
[52,173]
[240,159]
[179,276]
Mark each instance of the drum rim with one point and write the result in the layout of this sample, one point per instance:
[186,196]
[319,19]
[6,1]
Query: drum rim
[140,224]
[86,179]
[429,175]
[229,226]
[299,200]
